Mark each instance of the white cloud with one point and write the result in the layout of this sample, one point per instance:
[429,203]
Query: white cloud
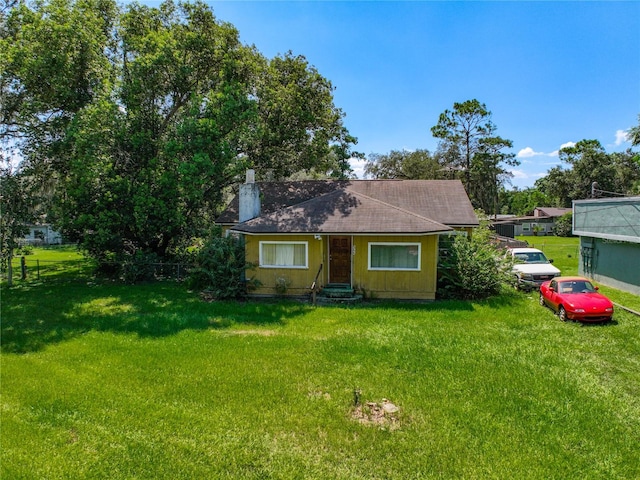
[528,152]
[621,137]
[358,164]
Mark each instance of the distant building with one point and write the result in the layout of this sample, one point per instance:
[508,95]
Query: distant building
[609,231]
[542,222]
[550,212]
[43,234]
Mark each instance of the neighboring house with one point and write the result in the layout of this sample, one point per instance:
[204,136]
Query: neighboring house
[379,237]
[609,230]
[42,234]
[542,222]
[550,212]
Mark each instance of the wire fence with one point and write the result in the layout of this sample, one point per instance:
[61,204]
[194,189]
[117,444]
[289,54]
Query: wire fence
[26,269]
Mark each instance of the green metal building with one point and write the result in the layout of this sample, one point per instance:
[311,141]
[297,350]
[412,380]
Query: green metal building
[609,231]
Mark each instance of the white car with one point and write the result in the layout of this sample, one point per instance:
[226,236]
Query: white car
[533,268]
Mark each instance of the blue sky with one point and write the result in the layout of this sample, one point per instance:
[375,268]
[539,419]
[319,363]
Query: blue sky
[550,72]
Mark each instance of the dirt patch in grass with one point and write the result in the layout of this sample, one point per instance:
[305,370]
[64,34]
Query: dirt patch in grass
[382,415]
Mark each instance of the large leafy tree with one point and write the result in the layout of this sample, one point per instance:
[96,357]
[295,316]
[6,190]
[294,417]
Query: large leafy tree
[299,128]
[522,202]
[151,162]
[53,62]
[403,164]
[556,185]
[587,162]
[152,113]
[469,143]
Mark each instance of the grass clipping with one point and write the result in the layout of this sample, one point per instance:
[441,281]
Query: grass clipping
[382,415]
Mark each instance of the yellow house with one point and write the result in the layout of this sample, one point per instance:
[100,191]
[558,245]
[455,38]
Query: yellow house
[375,237]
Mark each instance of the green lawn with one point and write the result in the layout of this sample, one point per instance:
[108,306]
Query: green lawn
[52,262]
[109,381]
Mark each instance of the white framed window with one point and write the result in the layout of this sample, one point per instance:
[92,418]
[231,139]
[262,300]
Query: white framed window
[394,256]
[284,254]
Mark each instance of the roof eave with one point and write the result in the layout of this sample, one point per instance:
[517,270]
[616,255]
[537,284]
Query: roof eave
[344,232]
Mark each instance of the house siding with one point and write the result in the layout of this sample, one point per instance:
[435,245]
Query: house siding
[609,241]
[612,263]
[299,280]
[417,285]
[41,235]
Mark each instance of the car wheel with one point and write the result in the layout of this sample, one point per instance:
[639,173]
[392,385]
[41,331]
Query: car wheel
[541,300]
[562,313]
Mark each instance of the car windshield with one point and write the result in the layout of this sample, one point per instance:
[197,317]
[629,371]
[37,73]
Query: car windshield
[531,257]
[576,286]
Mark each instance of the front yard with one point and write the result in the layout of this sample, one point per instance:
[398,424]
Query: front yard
[111,381]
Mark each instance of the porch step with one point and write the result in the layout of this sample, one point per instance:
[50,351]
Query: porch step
[337,290]
[320,300]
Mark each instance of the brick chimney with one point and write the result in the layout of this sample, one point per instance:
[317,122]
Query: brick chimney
[249,198]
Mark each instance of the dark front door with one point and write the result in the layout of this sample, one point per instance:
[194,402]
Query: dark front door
[340,260]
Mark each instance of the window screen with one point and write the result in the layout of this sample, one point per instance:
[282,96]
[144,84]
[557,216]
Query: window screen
[283,254]
[394,256]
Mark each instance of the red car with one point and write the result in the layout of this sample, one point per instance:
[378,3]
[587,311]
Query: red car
[575,298]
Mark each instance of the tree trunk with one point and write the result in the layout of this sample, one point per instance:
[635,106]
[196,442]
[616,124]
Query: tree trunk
[10,268]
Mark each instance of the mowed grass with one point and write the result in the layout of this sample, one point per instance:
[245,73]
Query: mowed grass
[64,261]
[101,380]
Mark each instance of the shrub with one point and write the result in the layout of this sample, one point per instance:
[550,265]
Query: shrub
[220,267]
[473,268]
[24,250]
[139,267]
[564,225]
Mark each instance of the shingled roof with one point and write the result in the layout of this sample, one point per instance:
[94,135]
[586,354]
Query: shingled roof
[357,206]
[551,211]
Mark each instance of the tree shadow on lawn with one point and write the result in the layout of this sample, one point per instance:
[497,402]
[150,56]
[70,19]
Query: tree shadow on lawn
[35,316]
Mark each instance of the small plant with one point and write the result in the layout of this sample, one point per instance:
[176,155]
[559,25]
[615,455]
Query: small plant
[366,294]
[282,285]
[356,396]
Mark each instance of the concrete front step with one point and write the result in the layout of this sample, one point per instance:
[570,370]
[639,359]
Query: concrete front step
[338,300]
[337,290]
